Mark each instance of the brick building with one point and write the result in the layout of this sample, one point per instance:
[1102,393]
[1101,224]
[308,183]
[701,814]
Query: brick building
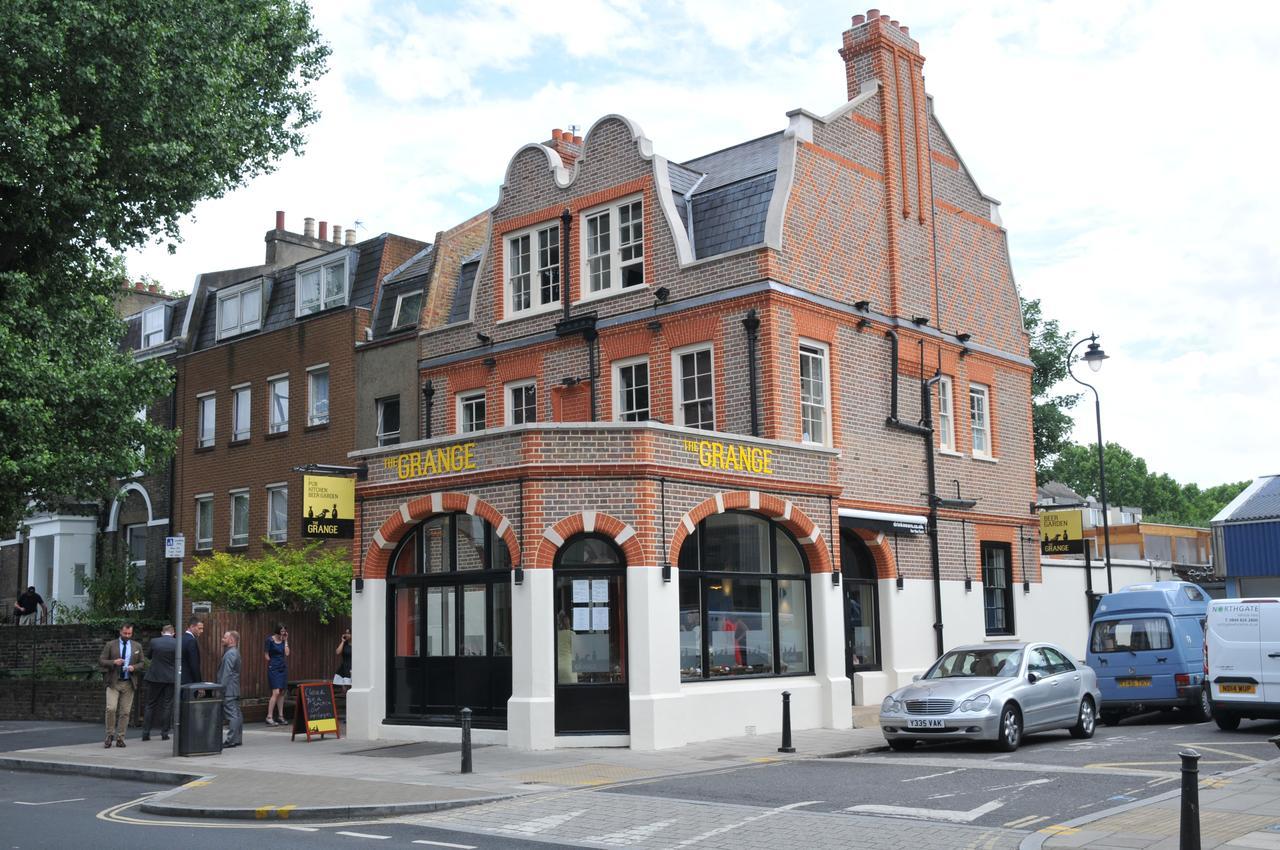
[694,434]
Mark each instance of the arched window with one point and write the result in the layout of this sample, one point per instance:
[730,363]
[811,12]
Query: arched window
[744,600]
[861,604]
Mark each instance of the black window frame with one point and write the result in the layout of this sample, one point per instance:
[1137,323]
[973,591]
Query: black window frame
[870,580]
[1005,592]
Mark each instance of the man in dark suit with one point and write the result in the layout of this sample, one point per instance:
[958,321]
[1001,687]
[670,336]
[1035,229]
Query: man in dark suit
[122,662]
[229,678]
[191,652]
[159,679]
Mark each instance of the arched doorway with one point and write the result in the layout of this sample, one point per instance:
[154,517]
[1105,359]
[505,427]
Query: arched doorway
[591,637]
[449,623]
[861,605]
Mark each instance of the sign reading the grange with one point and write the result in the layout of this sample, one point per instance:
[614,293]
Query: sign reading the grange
[732,457]
[1061,533]
[328,507]
[459,457]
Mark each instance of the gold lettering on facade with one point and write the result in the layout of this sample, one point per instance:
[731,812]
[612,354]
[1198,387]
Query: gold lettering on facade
[731,456]
[458,457]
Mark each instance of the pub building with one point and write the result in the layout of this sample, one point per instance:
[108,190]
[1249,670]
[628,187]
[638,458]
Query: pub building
[691,435]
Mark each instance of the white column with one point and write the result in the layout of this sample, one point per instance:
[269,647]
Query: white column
[828,652]
[653,655]
[367,699]
[531,714]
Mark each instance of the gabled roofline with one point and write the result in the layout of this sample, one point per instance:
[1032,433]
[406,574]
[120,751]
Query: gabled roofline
[1224,515]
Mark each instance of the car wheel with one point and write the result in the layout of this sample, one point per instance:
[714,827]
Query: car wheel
[1227,722]
[1010,729]
[1110,718]
[1203,710]
[1084,720]
[901,745]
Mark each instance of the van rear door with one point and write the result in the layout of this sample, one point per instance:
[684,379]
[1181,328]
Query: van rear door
[1235,656]
[1269,651]
[1136,658]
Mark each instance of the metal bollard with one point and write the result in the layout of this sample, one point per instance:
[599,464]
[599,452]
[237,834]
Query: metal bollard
[1190,831]
[786,724]
[466,740]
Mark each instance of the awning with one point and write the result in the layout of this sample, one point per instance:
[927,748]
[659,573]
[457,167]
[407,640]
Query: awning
[881,521]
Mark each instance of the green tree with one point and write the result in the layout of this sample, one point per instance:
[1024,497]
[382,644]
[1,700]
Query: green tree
[116,118]
[286,578]
[1051,423]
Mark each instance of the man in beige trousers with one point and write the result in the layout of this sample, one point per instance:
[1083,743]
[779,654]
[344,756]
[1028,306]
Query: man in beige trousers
[122,663]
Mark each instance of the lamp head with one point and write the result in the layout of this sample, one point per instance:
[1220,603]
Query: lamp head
[1095,355]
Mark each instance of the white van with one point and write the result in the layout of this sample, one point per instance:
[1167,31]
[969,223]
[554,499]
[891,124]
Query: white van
[1242,659]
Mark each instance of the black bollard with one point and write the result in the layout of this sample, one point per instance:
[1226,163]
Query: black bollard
[1190,832]
[786,724]
[466,740]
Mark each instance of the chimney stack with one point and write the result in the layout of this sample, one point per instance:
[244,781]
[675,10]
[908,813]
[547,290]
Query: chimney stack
[337,234]
[565,143]
[351,236]
[309,227]
[279,219]
[324,231]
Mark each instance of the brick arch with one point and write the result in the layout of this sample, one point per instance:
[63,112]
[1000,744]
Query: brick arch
[587,522]
[881,552]
[378,556]
[781,511]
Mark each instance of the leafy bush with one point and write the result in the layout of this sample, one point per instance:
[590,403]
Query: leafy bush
[64,614]
[286,578]
[115,588]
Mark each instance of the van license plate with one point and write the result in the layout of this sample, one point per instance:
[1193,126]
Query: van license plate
[1237,688]
[1134,683]
[929,723]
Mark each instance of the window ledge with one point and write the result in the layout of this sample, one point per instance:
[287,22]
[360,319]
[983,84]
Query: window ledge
[208,548]
[319,426]
[204,449]
[235,443]
[275,435]
[606,294]
[532,312]
[986,458]
[950,453]
[238,547]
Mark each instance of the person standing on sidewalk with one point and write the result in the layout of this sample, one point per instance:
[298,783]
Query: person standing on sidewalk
[160,656]
[276,653]
[24,609]
[121,660]
[229,678]
[191,652]
[342,678]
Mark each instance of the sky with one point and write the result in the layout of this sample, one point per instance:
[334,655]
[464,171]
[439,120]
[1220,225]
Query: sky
[1131,144]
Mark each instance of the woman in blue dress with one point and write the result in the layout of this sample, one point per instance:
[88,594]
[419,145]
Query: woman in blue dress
[276,653]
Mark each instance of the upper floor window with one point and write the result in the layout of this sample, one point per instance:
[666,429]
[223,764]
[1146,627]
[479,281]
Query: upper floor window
[471,413]
[318,395]
[388,420]
[239,309]
[631,390]
[137,539]
[153,326]
[694,387]
[322,284]
[240,405]
[980,417]
[533,269]
[204,523]
[408,305]
[815,394]
[208,419]
[946,419]
[614,248]
[277,512]
[522,403]
[240,518]
[278,391]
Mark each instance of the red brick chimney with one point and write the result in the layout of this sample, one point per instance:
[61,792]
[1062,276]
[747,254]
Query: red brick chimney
[567,145]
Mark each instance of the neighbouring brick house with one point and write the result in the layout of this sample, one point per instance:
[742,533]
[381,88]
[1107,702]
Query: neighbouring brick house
[695,434]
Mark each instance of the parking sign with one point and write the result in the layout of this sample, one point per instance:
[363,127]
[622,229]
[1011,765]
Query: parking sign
[175,547]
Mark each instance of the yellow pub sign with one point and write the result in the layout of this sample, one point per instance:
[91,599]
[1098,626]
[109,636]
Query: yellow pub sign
[328,506]
[445,460]
[734,457]
[1061,533]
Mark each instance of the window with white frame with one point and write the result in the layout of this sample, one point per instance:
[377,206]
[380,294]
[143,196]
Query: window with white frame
[81,572]
[388,410]
[208,419]
[241,401]
[614,247]
[408,306]
[204,523]
[815,392]
[141,416]
[980,419]
[239,309]
[631,390]
[322,284]
[946,417]
[318,395]
[694,387]
[533,269]
[240,518]
[522,403]
[153,326]
[277,512]
[471,411]
[136,539]
[278,398]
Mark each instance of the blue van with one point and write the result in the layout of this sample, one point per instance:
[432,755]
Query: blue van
[1146,644]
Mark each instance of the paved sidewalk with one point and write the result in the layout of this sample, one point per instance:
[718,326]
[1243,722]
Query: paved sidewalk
[273,777]
[1237,809]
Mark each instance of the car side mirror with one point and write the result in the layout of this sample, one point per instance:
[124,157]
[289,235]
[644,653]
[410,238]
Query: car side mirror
[915,678]
[1033,677]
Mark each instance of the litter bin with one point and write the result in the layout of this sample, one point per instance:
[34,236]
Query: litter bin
[201,731]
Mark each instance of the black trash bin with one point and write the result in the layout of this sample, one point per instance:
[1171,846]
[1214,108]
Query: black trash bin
[200,733]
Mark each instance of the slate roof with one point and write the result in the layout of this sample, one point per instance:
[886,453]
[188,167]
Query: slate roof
[1055,492]
[731,203]
[1260,500]
[413,275]
[416,266]
[175,312]
[460,311]
[749,159]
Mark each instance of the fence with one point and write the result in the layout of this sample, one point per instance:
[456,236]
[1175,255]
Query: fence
[311,646]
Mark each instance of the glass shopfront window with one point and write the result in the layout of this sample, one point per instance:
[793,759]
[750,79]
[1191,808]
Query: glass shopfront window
[744,600]
[861,604]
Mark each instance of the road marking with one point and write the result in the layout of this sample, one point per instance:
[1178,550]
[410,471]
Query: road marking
[284,811]
[721,830]
[302,828]
[262,812]
[1026,784]
[1023,823]
[48,802]
[936,775]
[533,827]
[947,815]
[362,835]
[634,835]
[1060,829]
[1025,767]
[445,844]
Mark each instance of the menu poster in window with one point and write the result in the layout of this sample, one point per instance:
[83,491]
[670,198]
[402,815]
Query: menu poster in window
[582,619]
[599,619]
[600,590]
[581,590]
[315,711]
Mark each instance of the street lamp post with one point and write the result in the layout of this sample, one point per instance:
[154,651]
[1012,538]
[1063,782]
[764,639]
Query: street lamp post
[1094,357]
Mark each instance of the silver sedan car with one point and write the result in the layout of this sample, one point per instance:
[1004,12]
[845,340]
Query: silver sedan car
[993,692]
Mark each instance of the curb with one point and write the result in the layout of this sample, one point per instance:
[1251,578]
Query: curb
[100,771]
[856,751]
[351,812]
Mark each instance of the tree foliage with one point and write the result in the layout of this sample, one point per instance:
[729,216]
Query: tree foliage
[1051,423]
[286,578]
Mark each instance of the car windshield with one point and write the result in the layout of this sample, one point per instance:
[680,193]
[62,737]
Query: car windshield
[977,663]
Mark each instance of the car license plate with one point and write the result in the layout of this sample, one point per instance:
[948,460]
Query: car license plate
[926,723]
[1144,682]
[1237,688]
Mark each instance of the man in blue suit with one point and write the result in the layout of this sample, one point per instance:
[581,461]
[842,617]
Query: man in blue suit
[191,652]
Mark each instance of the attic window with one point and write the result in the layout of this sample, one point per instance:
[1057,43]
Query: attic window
[613,248]
[322,284]
[408,305]
[153,326]
[240,309]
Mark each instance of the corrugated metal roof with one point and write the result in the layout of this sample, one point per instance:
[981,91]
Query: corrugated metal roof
[1260,500]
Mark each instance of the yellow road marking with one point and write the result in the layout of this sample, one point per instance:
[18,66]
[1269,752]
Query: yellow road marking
[1059,829]
[196,783]
[283,811]
[262,812]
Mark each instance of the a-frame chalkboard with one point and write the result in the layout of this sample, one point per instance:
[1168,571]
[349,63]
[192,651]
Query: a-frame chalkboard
[316,712]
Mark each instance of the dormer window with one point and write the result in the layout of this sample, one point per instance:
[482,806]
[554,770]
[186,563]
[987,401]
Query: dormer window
[408,305]
[153,326]
[322,284]
[240,309]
